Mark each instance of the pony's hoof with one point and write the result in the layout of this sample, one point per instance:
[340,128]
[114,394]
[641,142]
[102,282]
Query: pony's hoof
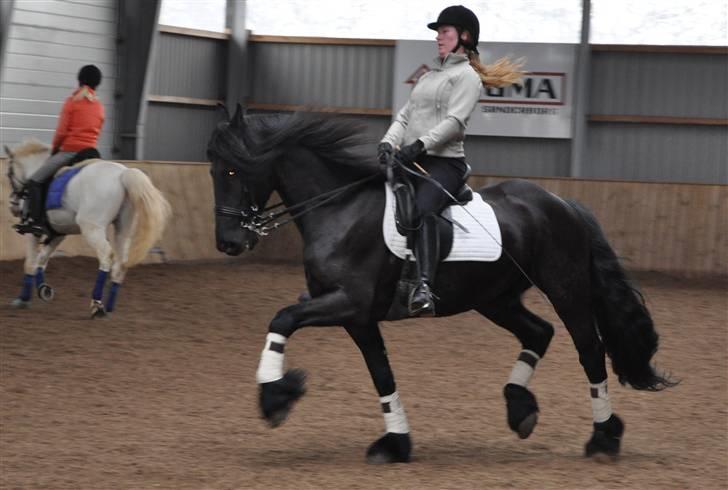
[97,309]
[277,397]
[390,448]
[46,293]
[20,304]
[605,441]
[522,409]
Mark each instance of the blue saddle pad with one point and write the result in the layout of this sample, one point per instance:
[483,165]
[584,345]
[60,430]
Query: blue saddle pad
[55,191]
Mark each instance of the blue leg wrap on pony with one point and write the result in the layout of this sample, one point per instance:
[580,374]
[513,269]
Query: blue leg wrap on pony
[27,287]
[111,300]
[98,293]
[39,277]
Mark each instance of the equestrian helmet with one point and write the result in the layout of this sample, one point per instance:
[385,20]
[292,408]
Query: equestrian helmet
[89,75]
[463,19]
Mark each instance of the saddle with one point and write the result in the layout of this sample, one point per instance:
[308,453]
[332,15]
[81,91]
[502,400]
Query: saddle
[406,217]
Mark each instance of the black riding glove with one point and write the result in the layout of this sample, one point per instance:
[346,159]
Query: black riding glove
[410,153]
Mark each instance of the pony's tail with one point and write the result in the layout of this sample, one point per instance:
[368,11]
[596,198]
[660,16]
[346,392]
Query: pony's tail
[624,323]
[151,213]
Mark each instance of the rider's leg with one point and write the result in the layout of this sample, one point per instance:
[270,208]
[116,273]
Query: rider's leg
[430,201]
[34,221]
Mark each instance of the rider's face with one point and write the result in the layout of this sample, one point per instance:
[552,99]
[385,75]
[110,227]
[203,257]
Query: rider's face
[447,39]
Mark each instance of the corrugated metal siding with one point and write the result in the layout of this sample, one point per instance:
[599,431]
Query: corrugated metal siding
[189,67]
[667,153]
[178,133]
[518,157]
[659,84]
[323,75]
[48,41]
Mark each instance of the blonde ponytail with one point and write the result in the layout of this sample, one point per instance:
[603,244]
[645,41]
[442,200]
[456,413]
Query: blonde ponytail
[502,73]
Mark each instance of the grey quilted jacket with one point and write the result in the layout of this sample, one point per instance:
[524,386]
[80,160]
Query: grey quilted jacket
[439,108]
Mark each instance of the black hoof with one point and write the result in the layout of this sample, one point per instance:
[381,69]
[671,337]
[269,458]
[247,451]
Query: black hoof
[522,409]
[277,397]
[605,441]
[390,448]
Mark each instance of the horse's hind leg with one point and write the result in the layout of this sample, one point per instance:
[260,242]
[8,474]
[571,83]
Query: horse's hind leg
[95,235]
[575,311]
[395,446]
[122,241]
[535,334]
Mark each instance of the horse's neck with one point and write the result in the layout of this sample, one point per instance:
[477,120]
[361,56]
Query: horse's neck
[297,184]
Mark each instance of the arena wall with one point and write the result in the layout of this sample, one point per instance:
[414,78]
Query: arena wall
[667,227]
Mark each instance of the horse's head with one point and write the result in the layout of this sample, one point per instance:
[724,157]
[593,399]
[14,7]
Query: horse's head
[23,161]
[238,194]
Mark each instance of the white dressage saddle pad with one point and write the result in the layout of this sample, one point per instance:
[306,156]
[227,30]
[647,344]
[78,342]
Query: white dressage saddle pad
[477,244]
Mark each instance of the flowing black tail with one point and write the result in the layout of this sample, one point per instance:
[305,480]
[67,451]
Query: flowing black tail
[621,316]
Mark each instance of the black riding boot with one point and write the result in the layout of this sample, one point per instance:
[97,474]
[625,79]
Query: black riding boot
[34,222]
[427,253]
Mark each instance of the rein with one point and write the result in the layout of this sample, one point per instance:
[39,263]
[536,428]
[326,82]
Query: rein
[263,224]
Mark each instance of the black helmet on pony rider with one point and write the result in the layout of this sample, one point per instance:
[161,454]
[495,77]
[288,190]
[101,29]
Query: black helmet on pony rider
[89,75]
[463,19]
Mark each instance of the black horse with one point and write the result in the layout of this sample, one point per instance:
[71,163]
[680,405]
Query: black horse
[335,193]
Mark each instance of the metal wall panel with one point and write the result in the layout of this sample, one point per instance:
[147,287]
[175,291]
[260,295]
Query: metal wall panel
[659,84]
[666,153]
[322,75]
[48,41]
[178,132]
[518,157]
[189,67]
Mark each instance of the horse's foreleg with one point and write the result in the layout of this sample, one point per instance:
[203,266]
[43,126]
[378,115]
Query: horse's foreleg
[535,334]
[95,235]
[45,291]
[31,254]
[395,446]
[278,392]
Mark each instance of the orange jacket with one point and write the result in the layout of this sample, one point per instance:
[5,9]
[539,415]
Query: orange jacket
[81,120]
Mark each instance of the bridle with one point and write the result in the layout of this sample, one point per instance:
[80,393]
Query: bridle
[16,184]
[263,224]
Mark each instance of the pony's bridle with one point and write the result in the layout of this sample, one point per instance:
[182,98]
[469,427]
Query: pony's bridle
[16,184]
[262,224]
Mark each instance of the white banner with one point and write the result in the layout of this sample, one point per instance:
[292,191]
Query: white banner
[539,108]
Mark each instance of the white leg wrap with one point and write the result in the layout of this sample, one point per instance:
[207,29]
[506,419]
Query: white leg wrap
[271,359]
[524,368]
[395,419]
[601,407]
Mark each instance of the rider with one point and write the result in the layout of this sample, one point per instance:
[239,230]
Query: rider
[78,128]
[431,128]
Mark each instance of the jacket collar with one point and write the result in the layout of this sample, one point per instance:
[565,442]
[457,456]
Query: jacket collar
[449,60]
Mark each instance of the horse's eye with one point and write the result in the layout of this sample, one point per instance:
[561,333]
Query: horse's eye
[231,173]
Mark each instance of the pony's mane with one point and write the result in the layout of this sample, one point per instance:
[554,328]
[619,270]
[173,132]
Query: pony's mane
[30,146]
[265,138]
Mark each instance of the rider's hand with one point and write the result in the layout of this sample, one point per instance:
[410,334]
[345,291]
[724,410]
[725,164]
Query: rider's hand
[384,153]
[410,153]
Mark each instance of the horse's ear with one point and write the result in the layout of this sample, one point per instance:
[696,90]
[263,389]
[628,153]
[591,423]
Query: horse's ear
[238,120]
[7,150]
[221,106]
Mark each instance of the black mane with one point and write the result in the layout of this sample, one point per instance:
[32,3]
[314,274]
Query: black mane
[266,138]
